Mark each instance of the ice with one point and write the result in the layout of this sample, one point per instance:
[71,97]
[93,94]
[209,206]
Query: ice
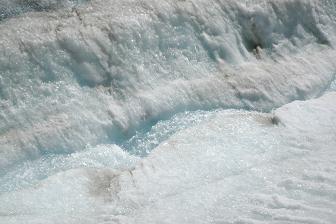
[233,167]
[243,167]
[11,8]
[147,139]
[101,72]
[30,173]
[152,111]
[332,86]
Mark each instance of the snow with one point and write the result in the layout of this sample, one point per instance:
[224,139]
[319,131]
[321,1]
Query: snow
[233,167]
[11,8]
[98,73]
[151,111]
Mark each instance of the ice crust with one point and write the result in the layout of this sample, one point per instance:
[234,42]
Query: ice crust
[98,73]
[12,8]
[235,98]
[233,167]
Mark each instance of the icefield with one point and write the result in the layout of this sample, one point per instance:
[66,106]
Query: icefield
[179,111]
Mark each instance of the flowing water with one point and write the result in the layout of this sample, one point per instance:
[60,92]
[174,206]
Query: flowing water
[180,111]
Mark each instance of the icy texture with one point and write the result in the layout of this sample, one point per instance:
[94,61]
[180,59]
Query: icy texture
[86,91]
[145,140]
[31,173]
[98,73]
[333,86]
[10,8]
[234,167]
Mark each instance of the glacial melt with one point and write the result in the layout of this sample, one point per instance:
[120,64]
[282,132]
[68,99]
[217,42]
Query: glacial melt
[87,89]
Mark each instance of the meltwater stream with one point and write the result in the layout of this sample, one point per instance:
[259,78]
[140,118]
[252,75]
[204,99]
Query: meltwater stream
[152,111]
[30,173]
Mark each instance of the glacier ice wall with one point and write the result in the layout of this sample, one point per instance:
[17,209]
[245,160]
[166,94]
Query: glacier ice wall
[100,72]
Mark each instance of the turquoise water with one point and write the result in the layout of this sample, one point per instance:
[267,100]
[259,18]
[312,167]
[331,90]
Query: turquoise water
[167,111]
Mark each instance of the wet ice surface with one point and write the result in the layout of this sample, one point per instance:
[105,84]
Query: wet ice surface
[12,8]
[232,167]
[333,86]
[166,112]
[141,144]
[144,141]
[103,72]
[240,167]
[31,173]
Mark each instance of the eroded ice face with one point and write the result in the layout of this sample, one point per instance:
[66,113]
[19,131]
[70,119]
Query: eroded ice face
[99,74]
[12,8]
[86,93]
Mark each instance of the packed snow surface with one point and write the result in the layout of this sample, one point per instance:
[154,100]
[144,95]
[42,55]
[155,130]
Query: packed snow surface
[180,111]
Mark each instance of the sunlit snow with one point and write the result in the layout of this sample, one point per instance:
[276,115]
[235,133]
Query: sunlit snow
[180,111]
